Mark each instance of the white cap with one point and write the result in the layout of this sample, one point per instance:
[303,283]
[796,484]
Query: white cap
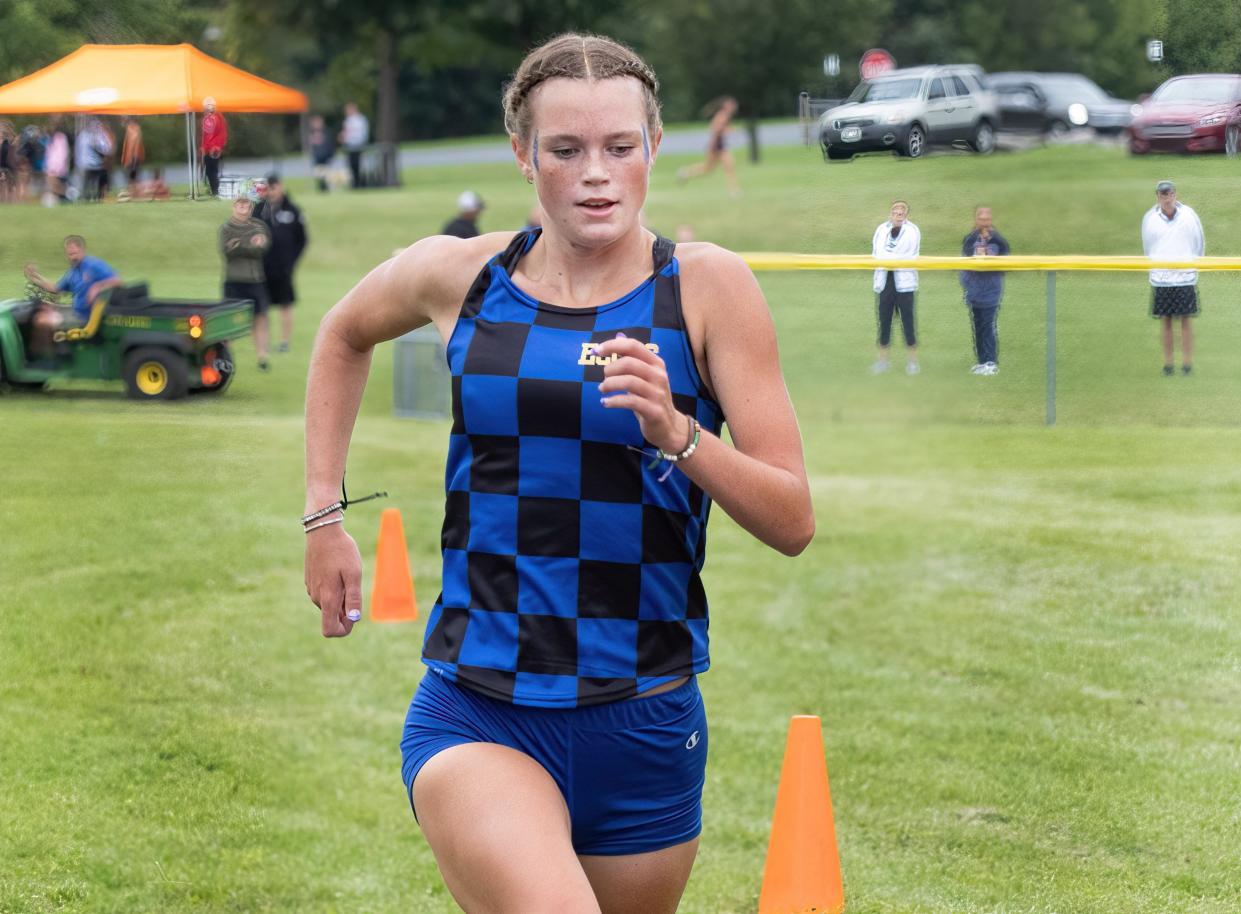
[469,201]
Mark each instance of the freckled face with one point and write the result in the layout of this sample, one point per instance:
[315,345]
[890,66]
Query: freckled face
[590,155]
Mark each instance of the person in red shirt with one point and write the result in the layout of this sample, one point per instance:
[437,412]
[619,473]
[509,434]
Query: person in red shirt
[215,136]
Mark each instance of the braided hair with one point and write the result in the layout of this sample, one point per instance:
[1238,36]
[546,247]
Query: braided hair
[575,56]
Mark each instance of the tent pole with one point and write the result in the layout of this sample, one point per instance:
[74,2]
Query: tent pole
[189,154]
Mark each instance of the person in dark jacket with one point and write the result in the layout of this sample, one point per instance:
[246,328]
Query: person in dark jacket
[288,241]
[983,290]
[469,207]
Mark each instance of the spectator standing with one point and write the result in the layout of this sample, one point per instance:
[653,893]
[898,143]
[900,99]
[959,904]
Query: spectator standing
[1172,231]
[133,152]
[244,242]
[214,139]
[94,145]
[355,133]
[8,162]
[322,151]
[469,206]
[896,239]
[56,164]
[288,240]
[983,290]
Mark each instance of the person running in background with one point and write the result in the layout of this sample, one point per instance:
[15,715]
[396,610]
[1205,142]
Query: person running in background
[284,220]
[133,152]
[555,750]
[355,133]
[717,149]
[322,151]
[469,206]
[244,242]
[983,291]
[214,139]
[896,239]
[1172,231]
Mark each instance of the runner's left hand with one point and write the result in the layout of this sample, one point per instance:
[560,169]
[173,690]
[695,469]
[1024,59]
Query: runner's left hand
[638,381]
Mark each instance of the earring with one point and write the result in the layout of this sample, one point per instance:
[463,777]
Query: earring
[529,178]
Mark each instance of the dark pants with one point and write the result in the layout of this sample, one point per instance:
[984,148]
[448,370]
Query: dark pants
[890,300]
[986,339]
[211,165]
[93,183]
[355,166]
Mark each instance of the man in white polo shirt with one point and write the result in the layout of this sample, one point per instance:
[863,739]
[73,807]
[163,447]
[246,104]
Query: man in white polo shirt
[1171,231]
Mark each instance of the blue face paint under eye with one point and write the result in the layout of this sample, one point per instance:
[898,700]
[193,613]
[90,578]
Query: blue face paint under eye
[536,150]
[646,147]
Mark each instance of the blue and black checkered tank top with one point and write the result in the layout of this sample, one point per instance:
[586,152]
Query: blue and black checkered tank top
[571,570]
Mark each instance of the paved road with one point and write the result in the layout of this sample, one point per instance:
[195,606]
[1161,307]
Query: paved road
[679,142]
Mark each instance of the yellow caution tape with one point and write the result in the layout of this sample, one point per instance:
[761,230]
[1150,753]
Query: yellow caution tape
[1010,264]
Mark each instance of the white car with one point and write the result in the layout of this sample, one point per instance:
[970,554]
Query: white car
[908,110]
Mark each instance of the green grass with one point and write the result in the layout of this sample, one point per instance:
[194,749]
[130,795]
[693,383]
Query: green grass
[1022,641]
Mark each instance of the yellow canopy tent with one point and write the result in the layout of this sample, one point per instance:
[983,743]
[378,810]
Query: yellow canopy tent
[145,79]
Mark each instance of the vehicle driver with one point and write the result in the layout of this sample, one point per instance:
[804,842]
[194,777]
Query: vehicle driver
[87,278]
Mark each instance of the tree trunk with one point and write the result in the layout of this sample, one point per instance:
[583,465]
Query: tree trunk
[751,128]
[386,118]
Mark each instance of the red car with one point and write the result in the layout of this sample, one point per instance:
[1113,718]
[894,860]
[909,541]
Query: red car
[1190,114]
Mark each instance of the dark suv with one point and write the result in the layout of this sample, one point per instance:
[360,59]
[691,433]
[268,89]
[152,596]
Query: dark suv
[907,110]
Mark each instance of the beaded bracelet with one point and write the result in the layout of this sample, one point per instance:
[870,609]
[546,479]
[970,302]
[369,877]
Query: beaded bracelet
[694,434]
[342,505]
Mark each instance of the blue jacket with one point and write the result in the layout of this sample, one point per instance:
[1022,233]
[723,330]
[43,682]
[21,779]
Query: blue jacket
[983,290]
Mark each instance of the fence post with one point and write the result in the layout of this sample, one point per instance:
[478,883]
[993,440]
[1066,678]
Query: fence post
[1051,347]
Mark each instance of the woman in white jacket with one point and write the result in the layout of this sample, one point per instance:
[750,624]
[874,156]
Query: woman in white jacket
[896,239]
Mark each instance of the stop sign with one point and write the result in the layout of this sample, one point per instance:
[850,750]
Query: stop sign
[876,62]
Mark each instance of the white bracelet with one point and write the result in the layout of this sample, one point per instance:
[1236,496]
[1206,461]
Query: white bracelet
[694,433]
[324,523]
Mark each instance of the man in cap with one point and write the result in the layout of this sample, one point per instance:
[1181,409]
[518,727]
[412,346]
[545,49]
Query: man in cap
[214,138]
[1171,231]
[469,205]
[288,240]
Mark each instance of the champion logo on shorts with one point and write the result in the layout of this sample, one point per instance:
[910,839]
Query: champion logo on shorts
[692,741]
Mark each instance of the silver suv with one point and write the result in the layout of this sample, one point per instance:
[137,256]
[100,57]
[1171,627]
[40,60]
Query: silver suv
[906,110]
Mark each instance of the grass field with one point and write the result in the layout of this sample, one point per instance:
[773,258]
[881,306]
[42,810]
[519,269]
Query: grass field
[1023,642]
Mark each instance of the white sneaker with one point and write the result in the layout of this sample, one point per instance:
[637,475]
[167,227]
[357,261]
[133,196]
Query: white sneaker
[980,368]
[880,367]
[991,368]
[912,368]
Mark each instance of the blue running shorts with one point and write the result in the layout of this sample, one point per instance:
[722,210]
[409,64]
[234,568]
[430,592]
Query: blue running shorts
[631,772]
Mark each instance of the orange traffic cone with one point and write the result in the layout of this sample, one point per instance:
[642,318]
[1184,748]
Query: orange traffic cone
[803,865]
[392,597]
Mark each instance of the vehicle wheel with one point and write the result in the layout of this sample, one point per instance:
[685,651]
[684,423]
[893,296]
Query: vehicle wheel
[915,142]
[838,155]
[984,138]
[153,373]
[1057,130]
[1232,140]
[221,359]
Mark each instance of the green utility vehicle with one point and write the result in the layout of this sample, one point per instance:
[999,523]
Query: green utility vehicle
[161,348]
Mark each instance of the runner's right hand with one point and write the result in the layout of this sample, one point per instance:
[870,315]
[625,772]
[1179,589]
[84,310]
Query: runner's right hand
[334,578]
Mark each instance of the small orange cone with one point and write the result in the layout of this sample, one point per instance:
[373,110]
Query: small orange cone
[803,866]
[392,597]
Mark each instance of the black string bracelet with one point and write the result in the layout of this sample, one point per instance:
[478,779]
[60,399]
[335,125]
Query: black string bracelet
[343,504]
